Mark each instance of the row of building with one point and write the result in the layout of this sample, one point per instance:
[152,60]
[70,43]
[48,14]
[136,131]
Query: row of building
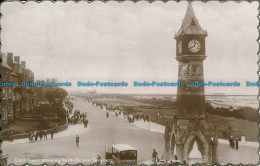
[17,100]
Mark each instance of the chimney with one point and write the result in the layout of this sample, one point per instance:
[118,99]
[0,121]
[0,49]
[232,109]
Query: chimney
[16,67]
[23,63]
[10,59]
[17,59]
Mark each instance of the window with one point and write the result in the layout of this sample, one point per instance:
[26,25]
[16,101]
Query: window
[9,111]
[10,92]
[4,93]
[3,114]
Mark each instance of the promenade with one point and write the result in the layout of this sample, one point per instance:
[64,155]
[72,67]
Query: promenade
[103,131]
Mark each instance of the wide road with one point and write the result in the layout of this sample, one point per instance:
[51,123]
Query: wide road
[104,131]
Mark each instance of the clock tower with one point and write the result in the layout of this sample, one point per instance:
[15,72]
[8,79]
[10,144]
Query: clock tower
[190,44]
[190,124]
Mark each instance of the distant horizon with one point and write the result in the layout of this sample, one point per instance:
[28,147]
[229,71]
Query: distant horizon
[163,94]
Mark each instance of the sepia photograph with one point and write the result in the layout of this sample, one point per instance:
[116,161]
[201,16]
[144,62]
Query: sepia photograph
[161,83]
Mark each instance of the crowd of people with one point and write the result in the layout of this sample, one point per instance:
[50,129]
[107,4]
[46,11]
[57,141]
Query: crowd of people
[40,135]
[140,116]
[69,106]
[36,135]
[78,118]
[128,116]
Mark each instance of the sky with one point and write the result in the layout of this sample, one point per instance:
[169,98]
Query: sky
[130,42]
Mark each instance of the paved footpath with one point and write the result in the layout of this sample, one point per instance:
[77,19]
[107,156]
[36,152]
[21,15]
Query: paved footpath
[105,131]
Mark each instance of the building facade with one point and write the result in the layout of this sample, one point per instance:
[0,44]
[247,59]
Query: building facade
[7,76]
[16,99]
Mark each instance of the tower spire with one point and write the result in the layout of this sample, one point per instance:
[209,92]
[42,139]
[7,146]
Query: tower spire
[190,24]
[189,13]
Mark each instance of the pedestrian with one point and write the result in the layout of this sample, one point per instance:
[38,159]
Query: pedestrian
[236,143]
[36,135]
[52,132]
[98,159]
[231,142]
[11,135]
[154,156]
[45,134]
[30,136]
[40,134]
[77,141]
[107,114]
[69,121]
[86,123]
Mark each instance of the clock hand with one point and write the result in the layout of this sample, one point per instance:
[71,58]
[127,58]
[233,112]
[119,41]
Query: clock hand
[192,44]
[193,47]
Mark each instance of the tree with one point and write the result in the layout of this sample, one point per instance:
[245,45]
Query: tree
[50,96]
[60,112]
[56,93]
[61,93]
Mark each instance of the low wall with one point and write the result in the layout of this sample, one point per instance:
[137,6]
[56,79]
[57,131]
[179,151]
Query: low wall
[60,128]
[35,119]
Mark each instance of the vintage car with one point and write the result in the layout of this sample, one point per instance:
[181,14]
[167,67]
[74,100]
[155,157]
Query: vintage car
[121,154]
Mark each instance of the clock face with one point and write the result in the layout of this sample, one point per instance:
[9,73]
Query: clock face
[180,47]
[194,46]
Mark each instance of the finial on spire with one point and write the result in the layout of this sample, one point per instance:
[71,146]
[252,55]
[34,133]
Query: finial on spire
[189,13]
